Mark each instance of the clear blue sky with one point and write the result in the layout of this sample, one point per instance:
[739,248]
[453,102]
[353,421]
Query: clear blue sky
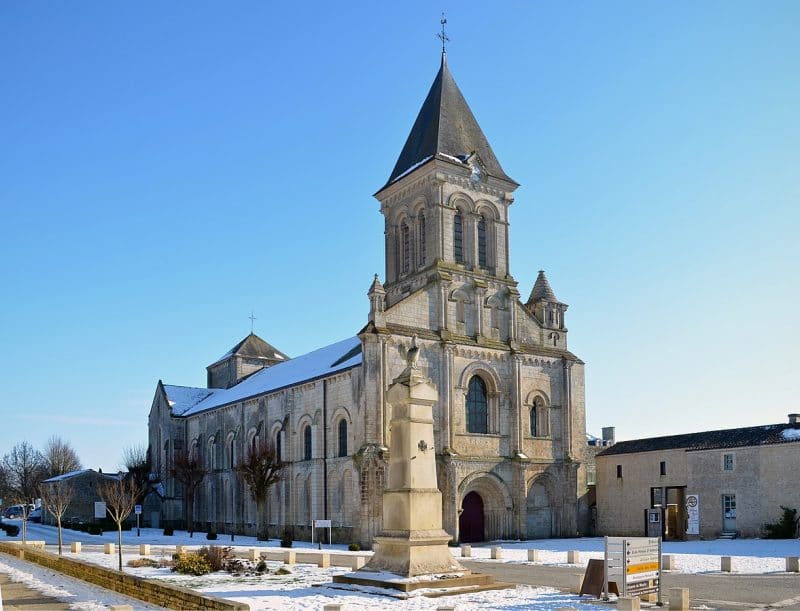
[167,167]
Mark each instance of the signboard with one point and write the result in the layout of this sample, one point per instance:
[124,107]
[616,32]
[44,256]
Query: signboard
[99,509]
[693,514]
[137,509]
[634,564]
[322,523]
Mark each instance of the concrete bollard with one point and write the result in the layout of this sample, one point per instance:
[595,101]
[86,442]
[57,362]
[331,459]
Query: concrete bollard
[577,583]
[667,562]
[357,562]
[180,549]
[144,549]
[446,608]
[289,557]
[497,553]
[726,564]
[108,548]
[573,557]
[466,551]
[793,564]
[332,607]
[679,599]
[75,547]
[628,603]
[253,554]
[324,560]
[121,608]
[533,555]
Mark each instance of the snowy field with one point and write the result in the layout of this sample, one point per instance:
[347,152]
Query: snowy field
[300,589]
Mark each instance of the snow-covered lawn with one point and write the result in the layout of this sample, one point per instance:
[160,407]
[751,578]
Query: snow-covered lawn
[301,590]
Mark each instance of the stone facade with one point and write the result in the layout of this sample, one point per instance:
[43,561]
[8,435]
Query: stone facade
[510,420]
[757,475]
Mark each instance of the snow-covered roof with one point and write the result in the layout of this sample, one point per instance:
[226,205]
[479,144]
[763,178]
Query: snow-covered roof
[181,398]
[64,476]
[320,363]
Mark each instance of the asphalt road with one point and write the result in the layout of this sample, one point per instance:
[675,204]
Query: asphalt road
[717,591]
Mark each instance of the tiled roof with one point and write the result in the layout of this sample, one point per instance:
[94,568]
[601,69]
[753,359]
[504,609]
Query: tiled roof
[253,346]
[710,440]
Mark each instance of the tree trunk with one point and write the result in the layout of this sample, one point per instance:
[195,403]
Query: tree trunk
[119,543]
[59,535]
[262,528]
[190,511]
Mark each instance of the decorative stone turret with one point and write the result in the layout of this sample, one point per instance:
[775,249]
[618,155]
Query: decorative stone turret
[544,305]
[377,302]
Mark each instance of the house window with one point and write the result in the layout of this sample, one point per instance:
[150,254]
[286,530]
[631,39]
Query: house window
[421,239]
[727,462]
[662,468]
[307,442]
[458,238]
[477,406]
[619,471]
[405,235]
[482,242]
[342,437]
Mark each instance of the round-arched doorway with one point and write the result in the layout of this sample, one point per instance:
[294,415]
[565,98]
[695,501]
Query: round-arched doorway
[471,520]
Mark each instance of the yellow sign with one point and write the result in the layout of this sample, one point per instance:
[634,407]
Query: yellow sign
[644,567]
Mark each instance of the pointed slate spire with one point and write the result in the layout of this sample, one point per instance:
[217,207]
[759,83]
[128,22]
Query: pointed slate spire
[541,290]
[446,127]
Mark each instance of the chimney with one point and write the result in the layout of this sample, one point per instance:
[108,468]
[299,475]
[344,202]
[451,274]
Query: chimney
[794,419]
[608,435]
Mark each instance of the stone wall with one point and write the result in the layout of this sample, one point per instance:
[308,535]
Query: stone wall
[148,590]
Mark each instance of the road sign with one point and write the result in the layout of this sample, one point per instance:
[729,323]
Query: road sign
[99,509]
[322,523]
[137,509]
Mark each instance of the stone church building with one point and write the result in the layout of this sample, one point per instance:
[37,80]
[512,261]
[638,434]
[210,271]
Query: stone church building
[510,422]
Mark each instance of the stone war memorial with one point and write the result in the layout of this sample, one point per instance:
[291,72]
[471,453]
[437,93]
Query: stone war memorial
[413,544]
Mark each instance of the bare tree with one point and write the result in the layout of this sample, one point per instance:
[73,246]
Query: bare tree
[260,469]
[188,470]
[60,457]
[25,469]
[56,497]
[136,460]
[120,499]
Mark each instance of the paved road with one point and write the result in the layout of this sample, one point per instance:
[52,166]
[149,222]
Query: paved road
[717,591]
[19,597]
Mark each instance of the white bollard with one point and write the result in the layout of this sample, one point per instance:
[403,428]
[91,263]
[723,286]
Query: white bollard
[144,549]
[253,554]
[357,562]
[497,553]
[121,608]
[108,548]
[726,564]
[180,549]
[332,607]
[75,547]
[793,564]
[533,555]
[668,562]
[628,603]
[466,551]
[573,557]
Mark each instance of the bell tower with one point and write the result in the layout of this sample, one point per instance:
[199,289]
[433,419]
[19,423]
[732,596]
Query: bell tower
[446,200]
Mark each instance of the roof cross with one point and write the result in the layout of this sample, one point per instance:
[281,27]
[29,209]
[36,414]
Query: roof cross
[441,35]
[252,318]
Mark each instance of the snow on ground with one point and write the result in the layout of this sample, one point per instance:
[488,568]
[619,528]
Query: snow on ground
[298,590]
[78,594]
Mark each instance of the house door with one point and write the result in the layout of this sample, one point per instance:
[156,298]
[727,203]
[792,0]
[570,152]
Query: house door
[728,512]
[470,522]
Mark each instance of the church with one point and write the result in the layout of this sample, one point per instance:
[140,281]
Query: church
[509,428]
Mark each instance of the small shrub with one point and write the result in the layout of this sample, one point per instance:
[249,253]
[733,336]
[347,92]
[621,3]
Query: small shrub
[784,528]
[143,562]
[212,536]
[261,566]
[354,547]
[192,564]
[283,571]
[12,530]
[168,531]
[286,540]
[94,529]
[217,557]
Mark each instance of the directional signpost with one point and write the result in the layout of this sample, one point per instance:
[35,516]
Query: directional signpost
[138,510]
[634,564]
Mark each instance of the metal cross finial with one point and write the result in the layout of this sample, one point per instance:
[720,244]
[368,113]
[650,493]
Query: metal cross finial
[441,35]
[252,319]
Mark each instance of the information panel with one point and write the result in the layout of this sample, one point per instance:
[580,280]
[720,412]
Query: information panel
[633,564]
[693,514]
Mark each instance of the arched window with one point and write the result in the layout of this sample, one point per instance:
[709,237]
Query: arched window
[278,446]
[482,259]
[405,236]
[342,437]
[307,442]
[534,417]
[231,452]
[421,238]
[477,406]
[539,420]
[458,238]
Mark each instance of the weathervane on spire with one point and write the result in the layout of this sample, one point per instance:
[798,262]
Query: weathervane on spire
[441,35]
[252,319]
